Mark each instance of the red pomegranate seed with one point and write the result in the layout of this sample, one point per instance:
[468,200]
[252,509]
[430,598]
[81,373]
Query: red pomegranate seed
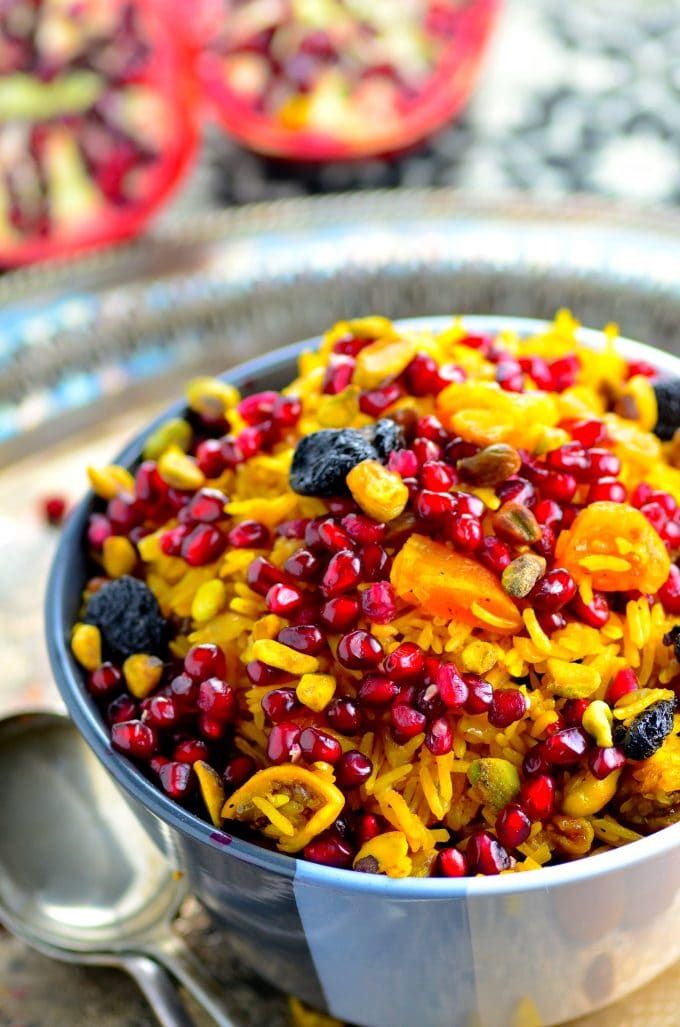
[405,662]
[554,590]
[439,738]
[642,367]
[134,739]
[342,574]
[209,458]
[231,451]
[279,704]
[513,826]
[304,565]
[538,370]
[573,711]
[377,690]
[422,375]
[203,545]
[124,513]
[403,462]
[495,554]
[451,863]
[329,851]
[375,562]
[480,342]
[344,716]
[595,613]
[534,762]
[184,691]
[564,371]
[171,541]
[665,500]
[432,506]
[352,769]
[379,602]
[332,536]
[338,374]
[480,694]
[177,779]
[341,613]
[237,772]
[515,490]
[207,506]
[469,504]
[538,797]
[351,346]
[641,494]
[53,509]
[430,427]
[566,747]
[262,574]
[604,762]
[602,463]
[121,709]
[625,681]
[160,711]
[304,638]
[286,412]
[104,680]
[510,376]
[210,727]
[436,476]
[425,450]
[191,750]
[252,441]
[571,458]
[359,650]
[257,408]
[609,490]
[284,599]
[249,535]
[547,511]
[507,706]
[367,827]
[157,762]
[261,674]
[551,621]
[217,700]
[318,745]
[466,532]
[340,506]
[376,401]
[545,546]
[486,855]
[587,433]
[655,514]
[669,593]
[671,535]
[363,529]
[99,528]
[283,744]
[559,486]
[451,687]
[406,721]
[205,661]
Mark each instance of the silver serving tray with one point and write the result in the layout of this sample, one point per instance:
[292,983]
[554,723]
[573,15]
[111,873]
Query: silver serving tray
[81,339]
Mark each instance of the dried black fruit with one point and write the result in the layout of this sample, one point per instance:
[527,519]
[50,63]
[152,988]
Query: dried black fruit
[668,403]
[129,618]
[385,436]
[649,730]
[323,460]
[673,638]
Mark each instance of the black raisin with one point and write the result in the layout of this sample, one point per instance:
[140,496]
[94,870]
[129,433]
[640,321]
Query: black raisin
[129,618]
[673,638]
[323,460]
[668,404]
[385,436]
[649,730]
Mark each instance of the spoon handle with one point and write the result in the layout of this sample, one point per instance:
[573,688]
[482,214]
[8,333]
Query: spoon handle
[176,957]
[159,990]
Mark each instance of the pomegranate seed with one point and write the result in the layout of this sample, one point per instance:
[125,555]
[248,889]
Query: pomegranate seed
[124,514]
[480,694]
[625,681]
[160,711]
[209,458]
[156,762]
[588,433]
[510,376]
[258,407]
[367,827]
[338,374]
[279,704]
[595,613]
[304,638]
[545,545]
[609,490]
[342,574]
[486,855]
[425,450]
[99,528]
[573,711]
[249,535]
[554,590]
[671,535]
[283,744]
[359,650]
[318,745]
[203,545]
[538,797]
[513,826]
[207,506]
[352,769]
[404,662]
[53,509]
[105,679]
[551,621]
[217,699]
[237,772]
[344,716]
[515,490]
[172,540]
[329,851]
[571,458]
[466,532]
[376,401]
[177,779]
[363,529]
[642,367]
[211,727]
[134,739]
[379,602]
[559,486]
[507,706]
[469,504]
[564,371]
[261,674]
[286,412]
[451,687]
[341,613]
[304,565]
[430,427]
[602,463]
[205,661]
[351,346]
[377,690]
[604,762]
[191,750]
[495,554]
[436,476]
[403,462]
[422,375]
[340,506]
[284,599]
[432,506]
[538,370]
[262,574]
[406,721]
[184,691]
[534,762]
[480,342]
[332,536]
[121,709]
[375,562]
[665,500]
[439,738]
[451,863]
[566,746]
[669,593]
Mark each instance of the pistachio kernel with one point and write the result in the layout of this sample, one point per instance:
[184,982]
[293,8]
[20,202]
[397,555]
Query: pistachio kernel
[520,576]
[491,466]
[516,523]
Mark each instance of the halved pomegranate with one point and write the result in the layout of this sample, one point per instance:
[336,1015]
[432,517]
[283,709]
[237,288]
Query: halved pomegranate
[341,79]
[98,121]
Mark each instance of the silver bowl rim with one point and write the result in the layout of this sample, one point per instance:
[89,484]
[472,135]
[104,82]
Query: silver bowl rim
[85,715]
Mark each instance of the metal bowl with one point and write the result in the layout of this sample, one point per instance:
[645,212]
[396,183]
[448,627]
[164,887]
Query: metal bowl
[558,942]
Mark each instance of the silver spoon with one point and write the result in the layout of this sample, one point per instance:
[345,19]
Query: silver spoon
[79,878]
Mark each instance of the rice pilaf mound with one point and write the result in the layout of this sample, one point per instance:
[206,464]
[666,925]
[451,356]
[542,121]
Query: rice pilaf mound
[419,606]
